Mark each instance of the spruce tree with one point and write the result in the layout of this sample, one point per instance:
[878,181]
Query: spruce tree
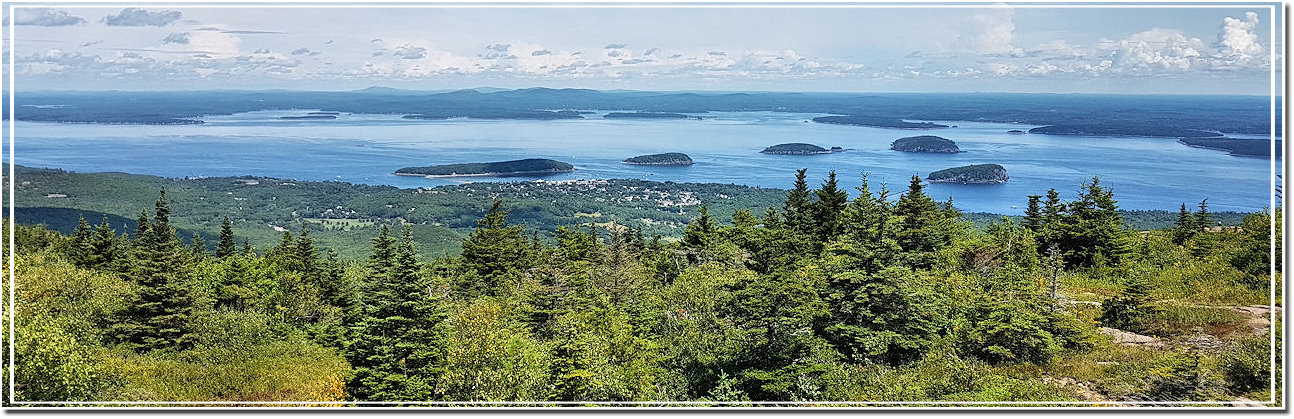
[1203,219]
[1184,228]
[1033,214]
[826,211]
[197,246]
[495,252]
[1130,308]
[701,231]
[226,247]
[797,206]
[161,311]
[106,252]
[79,250]
[1096,234]
[397,346]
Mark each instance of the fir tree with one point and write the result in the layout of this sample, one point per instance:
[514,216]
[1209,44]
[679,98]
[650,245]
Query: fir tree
[1033,214]
[80,251]
[160,313]
[1130,308]
[797,206]
[197,246]
[495,252]
[826,211]
[397,346]
[1203,219]
[226,247]
[105,249]
[1184,228]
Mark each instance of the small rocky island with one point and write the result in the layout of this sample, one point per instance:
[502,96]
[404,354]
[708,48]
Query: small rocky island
[799,149]
[1015,132]
[925,144]
[663,159]
[312,115]
[976,173]
[524,167]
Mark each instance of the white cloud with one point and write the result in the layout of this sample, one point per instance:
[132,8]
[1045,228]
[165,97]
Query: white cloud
[1156,50]
[987,33]
[1237,43]
[43,17]
[139,17]
[410,52]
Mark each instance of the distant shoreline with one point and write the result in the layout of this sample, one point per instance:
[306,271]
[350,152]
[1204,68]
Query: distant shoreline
[487,174]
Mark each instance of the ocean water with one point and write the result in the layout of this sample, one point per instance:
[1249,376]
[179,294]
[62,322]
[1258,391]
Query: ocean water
[1145,173]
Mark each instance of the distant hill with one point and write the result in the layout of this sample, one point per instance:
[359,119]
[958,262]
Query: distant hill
[504,168]
[925,144]
[795,149]
[663,159]
[648,115]
[976,173]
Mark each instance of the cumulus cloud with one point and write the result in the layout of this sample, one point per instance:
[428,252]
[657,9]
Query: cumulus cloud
[43,17]
[987,33]
[498,47]
[181,38]
[1156,49]
[409,52]
[140,17]
[1237,43]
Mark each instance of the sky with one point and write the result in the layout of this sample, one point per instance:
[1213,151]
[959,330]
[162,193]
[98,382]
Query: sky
[1222,48]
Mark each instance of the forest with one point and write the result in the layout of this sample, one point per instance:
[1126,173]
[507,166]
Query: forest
[885,298]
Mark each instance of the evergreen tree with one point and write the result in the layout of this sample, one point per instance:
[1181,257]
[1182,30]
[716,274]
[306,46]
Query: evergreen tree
[197,246]
[304,255]
[923,227]
[1184,228]
[826,211]
[1096,234]
[106,252]
[771,221]
[495,253]
[1130,308]
[797,208]
[226,247]
[79,250]
[701,231]
[141,229]
[161,311]
[1203,219]
[1033,215]
[397,346]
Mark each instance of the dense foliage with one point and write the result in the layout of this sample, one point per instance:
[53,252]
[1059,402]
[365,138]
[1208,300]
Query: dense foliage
[925,144]
[888,296]
[794,148]
[975,173]
[662,159]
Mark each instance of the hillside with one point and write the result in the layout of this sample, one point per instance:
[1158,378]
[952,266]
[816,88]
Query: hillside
[503,168]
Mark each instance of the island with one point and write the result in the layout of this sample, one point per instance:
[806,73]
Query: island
[1015,132]
[309,117]
[648,115]
[663,159]
[524,167]
[925,144]
[1115,129]
[876,122]
[799,149]
[973,174]
[324,113]
[1239,147]
[519,114]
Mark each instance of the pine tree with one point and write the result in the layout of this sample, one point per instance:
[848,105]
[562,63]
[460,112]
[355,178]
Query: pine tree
[797,206]
[1130,308]
[304,255]
[397,346]
[923,227]
[1096,232]
[701,231]
[141,228]
[106,252]
[226,247]
[771,221]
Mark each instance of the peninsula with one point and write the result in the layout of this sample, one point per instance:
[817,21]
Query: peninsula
[1235,146]
[925,144]
[1124,130]
[799,149]
[663,159]
[976,173]
[311,116]
[524,167]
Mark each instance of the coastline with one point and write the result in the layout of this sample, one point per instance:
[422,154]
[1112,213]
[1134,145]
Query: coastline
[487,174]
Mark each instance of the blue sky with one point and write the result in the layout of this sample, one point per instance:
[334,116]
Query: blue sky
[967,48]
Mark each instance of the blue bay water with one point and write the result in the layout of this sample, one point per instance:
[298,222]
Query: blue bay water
[1145,173]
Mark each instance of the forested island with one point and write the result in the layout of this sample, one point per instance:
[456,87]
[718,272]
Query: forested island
[799,149]
[1129,129]
[522,114]
[976,173]
[1235,146]
[523,167]
[817,298]
[663,159]
[648,115]
[925,144]
[876,122]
